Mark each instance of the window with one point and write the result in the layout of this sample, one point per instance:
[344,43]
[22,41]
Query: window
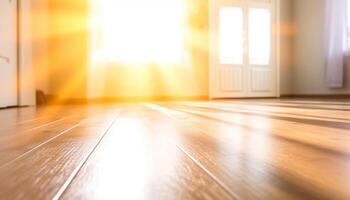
[259,36]
[231,35]
[234,40]
[348,22]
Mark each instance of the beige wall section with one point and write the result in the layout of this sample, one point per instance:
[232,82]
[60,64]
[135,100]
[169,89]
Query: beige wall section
[286,46]
[309,50]
[40,50]
[26,67]
[67,49]
[40,44]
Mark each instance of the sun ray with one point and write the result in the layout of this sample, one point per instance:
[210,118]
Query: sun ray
[139,31]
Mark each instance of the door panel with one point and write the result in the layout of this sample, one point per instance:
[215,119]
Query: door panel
[231,35]
[261,77]
[231,51]
[259,36]
[8,53]
[231,80]
[260,81]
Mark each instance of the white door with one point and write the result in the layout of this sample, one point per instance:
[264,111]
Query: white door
[8,53]
[242,49]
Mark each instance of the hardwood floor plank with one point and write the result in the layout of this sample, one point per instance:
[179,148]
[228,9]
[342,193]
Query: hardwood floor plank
[340,102]
[17,144]
[41,173]
[296,119]
[322,137]
[312,107]
[260,165]
[37,118]
[14,116]
[27,127]
[240,149]
[301,113]
[136,161]
[241,181]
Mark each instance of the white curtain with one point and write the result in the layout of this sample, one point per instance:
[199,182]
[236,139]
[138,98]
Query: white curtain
[336,42]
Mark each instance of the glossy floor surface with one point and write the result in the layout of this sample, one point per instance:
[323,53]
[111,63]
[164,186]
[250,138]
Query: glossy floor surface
[232,149]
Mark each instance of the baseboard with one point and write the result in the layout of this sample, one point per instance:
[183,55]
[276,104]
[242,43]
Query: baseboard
[11,107]
[242,98]
[55,100]
[51,99]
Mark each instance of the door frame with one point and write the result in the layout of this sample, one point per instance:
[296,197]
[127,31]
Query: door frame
[214,33]
[18,21]
[16,54]
[25,88]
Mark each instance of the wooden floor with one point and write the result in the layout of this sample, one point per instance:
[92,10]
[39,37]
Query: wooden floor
[232,149]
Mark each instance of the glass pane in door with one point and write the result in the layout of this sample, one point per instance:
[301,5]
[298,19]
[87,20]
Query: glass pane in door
[259,36]
[231,35]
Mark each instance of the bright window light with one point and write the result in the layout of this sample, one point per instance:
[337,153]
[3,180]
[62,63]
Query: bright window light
[348,21]
[134,31]
[259,36]
[231,35]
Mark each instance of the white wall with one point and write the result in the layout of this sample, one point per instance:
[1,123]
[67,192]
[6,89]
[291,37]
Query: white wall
[286,46]
[309,50]
[8,51]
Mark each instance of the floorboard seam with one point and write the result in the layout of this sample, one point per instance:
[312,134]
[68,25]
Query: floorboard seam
[257,112]
[31,120]
[42,125]
[183,150]
[280,137]
[83,121]
[211,175]
[66,184]
[42,144]
[45,124]
[300,107]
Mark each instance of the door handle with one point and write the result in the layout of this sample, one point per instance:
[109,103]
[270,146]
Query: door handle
[7,59]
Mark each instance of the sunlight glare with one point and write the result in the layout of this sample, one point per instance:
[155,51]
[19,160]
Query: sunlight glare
[259,44]
[141,31]
[231,35]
